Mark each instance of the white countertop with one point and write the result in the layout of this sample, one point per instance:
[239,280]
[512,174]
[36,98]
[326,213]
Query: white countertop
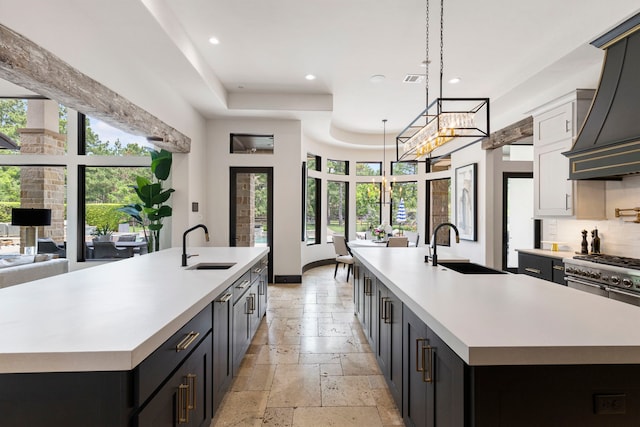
[509,319]
[110,317]
[549,253]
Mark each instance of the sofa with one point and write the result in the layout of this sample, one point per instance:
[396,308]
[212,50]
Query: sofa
[25,268]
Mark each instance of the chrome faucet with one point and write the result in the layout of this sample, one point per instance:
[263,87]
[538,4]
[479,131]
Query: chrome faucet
[434,255]
[184,241]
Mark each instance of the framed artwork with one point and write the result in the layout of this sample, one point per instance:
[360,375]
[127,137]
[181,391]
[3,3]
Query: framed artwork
[466,200]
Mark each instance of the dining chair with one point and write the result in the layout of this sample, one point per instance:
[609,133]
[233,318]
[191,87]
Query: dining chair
[103,250]
[343,256]
[49,246]
[397,242]
[127,238]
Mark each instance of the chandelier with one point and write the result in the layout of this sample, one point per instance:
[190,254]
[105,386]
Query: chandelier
[386,185]
[444,119]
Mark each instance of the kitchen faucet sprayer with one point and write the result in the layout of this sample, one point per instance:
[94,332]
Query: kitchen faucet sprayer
[434,256]
[184,241]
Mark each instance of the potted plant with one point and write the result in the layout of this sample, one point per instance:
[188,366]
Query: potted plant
[152,208]
[102,233]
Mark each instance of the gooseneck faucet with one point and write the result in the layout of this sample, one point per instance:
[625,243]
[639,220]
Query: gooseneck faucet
[434,256]
[184,241]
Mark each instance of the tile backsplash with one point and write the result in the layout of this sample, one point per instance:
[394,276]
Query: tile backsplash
[617,235]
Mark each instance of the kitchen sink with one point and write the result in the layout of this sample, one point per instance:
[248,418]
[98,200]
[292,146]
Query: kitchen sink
[469,268]
[211,266]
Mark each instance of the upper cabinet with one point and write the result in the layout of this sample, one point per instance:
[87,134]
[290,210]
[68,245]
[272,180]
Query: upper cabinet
[555,126]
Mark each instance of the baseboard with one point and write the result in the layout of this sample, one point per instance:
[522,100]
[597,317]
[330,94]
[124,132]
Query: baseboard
[288,279]
[320,263]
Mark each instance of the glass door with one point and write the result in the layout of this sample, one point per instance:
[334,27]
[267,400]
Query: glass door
[251,209]
[518,224]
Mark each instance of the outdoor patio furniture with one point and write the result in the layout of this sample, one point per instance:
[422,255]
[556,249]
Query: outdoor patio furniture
[49,246]
[102,250]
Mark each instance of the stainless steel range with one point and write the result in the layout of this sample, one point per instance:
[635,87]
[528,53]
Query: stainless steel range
[607,275]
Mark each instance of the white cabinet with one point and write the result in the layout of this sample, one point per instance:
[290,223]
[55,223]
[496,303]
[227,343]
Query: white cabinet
[555,126]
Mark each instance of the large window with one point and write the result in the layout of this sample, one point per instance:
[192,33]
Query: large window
[337,202]
[368,168]
[102,139]
[367,205]
[338,167]
[312,210]
[404,168]
[404,205]
[313,162]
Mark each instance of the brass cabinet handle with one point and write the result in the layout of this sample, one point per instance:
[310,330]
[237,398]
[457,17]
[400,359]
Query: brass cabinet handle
[186,342]
[418,368]
[182,411]
[225,298]
[261,288]
[532,270]
[253,303]
[558,267]
[388,303]
[383,308]
[367,286]
[427,373]
[191,397]
[243,284]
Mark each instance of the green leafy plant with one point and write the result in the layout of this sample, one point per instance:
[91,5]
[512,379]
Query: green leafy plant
[152,208]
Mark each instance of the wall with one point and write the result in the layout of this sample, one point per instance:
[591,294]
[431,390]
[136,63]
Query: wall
[287,183]
[617,236]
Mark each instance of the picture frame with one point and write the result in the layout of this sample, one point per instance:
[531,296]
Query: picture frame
[466,201]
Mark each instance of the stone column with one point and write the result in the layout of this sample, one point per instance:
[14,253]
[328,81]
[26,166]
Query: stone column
[43,186]
[245,209]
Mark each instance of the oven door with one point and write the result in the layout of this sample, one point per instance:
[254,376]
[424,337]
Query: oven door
[586,286]
[628,297]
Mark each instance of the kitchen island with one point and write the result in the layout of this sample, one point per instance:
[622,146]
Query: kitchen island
[496,349]
[81,340]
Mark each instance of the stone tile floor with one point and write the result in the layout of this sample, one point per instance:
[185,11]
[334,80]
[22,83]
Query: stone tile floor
[309,363]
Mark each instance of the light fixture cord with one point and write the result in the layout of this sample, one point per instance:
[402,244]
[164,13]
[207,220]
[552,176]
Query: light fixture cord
[426,63]
[441,43]
[384,159]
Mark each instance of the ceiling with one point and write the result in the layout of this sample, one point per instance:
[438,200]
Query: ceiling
[519,54]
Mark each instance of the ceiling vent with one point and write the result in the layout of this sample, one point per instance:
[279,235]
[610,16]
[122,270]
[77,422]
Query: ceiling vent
[413,78]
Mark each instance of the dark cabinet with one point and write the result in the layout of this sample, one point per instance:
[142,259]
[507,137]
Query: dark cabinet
[358,292]
[184,398]
[433,380]
[369,307]
[543,267]
[222,357]
[263,286]
[245,318]
[389,340]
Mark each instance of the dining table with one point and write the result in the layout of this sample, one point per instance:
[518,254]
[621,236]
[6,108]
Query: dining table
[367,243]
[142,245]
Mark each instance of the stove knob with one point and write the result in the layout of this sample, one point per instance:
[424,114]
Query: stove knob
[570,270]
[627,283]
[596,275]
[605,278]
[615,280]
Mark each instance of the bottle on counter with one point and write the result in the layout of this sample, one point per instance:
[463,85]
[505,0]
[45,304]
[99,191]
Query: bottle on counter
[595,241]
[584,245]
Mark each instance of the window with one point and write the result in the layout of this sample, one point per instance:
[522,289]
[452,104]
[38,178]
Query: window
[102,139]
[439,208]
[404,168]
[439,164]
[312,221]
[337,202]
[407,194]
[313,162]
[338,167]
[367,205]
[242,143]
[368,168]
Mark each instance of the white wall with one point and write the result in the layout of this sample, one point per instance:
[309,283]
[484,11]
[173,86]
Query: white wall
[287,183]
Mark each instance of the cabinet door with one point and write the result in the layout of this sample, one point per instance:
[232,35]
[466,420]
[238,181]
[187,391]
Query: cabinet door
[414,382]
[183,399]
[558,272]
[369,321]
[554,125]
[383,337]
[241,332]
[357,286]
[553,192]
[263,286]
[394,313]
[535,266]
[222,366]
[254,310]
[445,397]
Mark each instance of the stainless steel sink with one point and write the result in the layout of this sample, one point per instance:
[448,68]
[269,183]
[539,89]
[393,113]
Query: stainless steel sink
[211,266]
[469,268]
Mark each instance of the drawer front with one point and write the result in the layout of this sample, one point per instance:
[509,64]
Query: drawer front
[536,266]
[241,286]
[155,368]
[258,268]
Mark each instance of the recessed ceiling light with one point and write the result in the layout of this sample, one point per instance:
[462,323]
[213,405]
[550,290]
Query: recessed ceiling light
[214,40]
[310,77]
[455,80]
[376,78]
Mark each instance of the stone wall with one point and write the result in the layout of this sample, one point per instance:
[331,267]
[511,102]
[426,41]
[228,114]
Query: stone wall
[245,209]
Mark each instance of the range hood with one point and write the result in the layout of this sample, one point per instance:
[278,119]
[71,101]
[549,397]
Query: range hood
[608,144]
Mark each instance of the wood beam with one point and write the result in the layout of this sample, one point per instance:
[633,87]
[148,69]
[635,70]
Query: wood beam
[24,63]
[509,135]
